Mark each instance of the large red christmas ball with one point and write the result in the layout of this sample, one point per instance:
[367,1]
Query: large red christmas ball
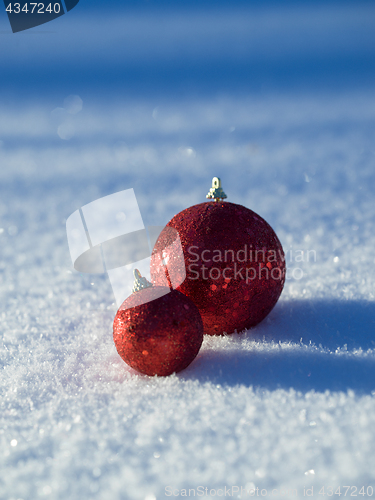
[157,331]
[233,265]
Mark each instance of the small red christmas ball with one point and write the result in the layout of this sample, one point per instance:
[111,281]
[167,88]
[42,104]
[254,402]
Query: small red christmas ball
[233,265]
[158,331]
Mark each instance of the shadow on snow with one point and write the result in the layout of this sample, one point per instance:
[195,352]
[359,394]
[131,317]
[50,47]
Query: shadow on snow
[332,333]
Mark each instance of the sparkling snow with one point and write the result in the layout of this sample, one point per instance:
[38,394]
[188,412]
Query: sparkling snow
[289,405]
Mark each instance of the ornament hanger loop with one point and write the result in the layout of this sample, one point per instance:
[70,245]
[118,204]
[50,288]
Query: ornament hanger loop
[140,283]
[216,192]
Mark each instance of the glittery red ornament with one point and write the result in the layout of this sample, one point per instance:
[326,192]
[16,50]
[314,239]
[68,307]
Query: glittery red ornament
[158,331]
[233,260]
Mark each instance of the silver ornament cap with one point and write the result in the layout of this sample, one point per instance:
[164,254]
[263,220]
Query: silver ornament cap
[140,283]
[216,192]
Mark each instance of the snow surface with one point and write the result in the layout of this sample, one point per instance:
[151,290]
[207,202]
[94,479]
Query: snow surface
[288,405]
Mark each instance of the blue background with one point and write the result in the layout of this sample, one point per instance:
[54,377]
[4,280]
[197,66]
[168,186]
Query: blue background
[175,49]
